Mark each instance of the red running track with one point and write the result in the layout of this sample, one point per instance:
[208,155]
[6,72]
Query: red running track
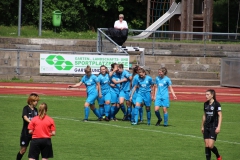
[183,93]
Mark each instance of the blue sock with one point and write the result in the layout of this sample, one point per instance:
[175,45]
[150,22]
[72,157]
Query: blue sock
[136,113]
[132,115]
[165,119]
[157,113]
[129,110]
[112,111]
[116,109]
[101,110]
[86,111]
[148,116]
[141,113]
[106,109]
[123,109]
[96,112]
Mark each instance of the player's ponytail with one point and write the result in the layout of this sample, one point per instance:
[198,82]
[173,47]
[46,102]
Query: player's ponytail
[42,111]
[88,69]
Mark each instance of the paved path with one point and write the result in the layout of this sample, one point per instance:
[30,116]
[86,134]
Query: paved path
[184,93]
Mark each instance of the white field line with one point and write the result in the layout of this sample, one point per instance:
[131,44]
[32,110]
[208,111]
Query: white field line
[146,130]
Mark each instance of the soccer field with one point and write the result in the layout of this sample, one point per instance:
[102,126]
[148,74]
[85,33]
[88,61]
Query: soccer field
[94,140]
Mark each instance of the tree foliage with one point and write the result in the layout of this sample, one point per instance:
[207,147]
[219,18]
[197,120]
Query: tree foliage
[82,15]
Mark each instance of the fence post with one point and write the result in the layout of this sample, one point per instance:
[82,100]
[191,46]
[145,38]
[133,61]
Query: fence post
[18,59]
[153,43]
[98,34]
[204,44]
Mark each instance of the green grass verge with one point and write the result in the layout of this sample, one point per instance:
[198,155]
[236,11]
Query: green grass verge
[119,140]
[32,32]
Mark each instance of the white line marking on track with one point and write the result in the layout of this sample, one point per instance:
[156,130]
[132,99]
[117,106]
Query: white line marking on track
[141,129]
[41,98]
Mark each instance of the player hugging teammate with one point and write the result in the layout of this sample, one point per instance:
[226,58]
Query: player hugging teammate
[117,87]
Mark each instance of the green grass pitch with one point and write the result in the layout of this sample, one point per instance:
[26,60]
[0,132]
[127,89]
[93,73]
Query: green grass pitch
[96,140]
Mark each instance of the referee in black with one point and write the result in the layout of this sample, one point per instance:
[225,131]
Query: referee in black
[211,123]
[29,111]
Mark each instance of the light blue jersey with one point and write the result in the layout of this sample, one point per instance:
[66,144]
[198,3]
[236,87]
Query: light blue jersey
[115,90]
[144,84]
[162,86]
[144,91]
[91,83]
[104,81]
[134,81]
[125,85]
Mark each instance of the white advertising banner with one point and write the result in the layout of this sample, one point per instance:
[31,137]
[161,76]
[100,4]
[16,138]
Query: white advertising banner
[75,64]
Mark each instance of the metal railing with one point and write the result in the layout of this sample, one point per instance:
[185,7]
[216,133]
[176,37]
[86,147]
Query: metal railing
[203,38]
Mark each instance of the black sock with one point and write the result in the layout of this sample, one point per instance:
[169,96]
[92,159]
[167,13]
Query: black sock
[215,151]
[19,156]
[208,153]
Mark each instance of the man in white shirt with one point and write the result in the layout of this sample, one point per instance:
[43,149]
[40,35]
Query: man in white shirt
[120,24]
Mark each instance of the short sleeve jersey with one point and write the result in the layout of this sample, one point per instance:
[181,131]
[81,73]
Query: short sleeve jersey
[27,111]
[162,86]
[42,127]
[115,89]
[125,85]
[90,83]
[211,113]
[144,84]
[119,24]
[104,81]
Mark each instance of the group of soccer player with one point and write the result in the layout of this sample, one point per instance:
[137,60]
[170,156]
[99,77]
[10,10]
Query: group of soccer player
[112,88]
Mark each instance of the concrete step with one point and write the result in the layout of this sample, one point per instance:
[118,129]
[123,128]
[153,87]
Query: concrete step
[26,71]
[27,62]
[182,60]
[186,67]
[46,78]
[197,82]
[189,74]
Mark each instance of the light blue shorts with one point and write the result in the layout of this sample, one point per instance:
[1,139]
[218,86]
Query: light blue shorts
[162,102]
[91,97]
[114,97]
[125,95]
[144,98]
[104,98]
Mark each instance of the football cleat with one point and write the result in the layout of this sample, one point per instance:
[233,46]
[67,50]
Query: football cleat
[158,123]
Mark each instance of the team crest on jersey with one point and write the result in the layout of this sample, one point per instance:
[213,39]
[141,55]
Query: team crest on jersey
[146,81]
[212,108]
[23,142]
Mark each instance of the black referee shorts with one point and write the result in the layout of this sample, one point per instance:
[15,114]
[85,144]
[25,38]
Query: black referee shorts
[40,145]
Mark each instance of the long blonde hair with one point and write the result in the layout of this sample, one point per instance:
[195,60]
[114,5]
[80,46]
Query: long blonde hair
[42,111]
